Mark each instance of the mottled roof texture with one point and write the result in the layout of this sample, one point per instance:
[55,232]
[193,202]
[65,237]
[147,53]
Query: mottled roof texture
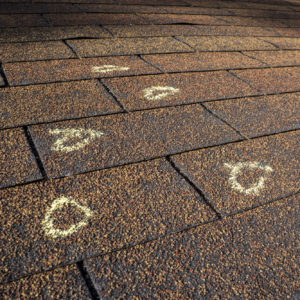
[149,149]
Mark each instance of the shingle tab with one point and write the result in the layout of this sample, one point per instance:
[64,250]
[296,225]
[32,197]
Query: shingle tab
[32,34]
[202,61]
[188,19]
[126,46]
[74,69]
[126,138]
[53,102]
[244,175]
[151,30]
[94,19]
[260,115]
[34,51]
[276,58]
[61,283]
[163,90]
[271,80]
[15,20]
[222,43]
[285,43]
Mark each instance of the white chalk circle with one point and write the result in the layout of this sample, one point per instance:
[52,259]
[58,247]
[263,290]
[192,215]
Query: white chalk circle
[236,170]
[59,203]
[159,92]
[85,136]
[108,68]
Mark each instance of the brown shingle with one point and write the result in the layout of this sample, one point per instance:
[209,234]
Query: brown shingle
[201,61]
[186,30]
[189,87]
[244,175]
[252,255]
[94,19]
[272,80]
[88,48]
[52,102]
[74,69]
[34,51]
[250,21]
[110,209]
[277,58]
[285,43]
[37,8]
[235,30]
[61,283]
[220,43]
[151,30]
[260,115]
[21,20]
[28,34]
[189,19]
[127,138]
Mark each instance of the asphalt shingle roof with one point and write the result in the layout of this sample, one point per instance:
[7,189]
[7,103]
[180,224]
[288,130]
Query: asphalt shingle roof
[149,149]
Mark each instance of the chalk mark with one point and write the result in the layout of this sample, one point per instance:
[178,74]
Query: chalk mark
[108,68]
[236,170]
[48,222]
[159,92]
[86,136]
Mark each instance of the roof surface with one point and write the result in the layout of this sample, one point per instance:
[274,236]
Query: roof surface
[149,149]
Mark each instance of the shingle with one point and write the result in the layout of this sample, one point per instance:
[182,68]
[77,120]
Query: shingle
[94,19]
[277,58]
[241,176]
[285,43]
[189,19]
[61,283]
[163,90]
[221,43]
[28,34]
[53,102]
[16,20]
[34,51]
[152,30]
[235,30]
[74,69]
[123,46]
[260,115]
[201,61]
[277,80]
[126,138]
[37,8]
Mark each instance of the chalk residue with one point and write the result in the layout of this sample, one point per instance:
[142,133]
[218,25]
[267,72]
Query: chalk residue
[48,222]
[85,137]
[108,68]
[236,170]
[159,92]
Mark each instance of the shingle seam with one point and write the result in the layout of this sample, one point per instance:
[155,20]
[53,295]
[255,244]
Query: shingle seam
[3,75]
[208,203]
[113,96]
[88,281]
[71,48]
[255,58]
[246,81]
[35,152]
